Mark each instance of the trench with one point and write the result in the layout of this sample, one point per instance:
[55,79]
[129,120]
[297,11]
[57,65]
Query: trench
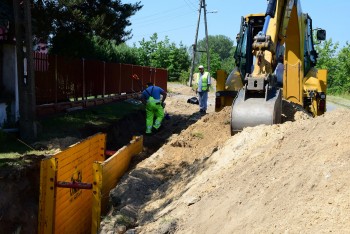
[19,185]
[19,196]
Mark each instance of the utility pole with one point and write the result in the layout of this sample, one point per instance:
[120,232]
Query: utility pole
[206,35]
[194,46]
[25,68]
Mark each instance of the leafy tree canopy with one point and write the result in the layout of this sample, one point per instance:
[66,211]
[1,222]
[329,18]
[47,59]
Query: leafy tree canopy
[336,61]
[104,18]
[164,54]
[222,45]
[221,53]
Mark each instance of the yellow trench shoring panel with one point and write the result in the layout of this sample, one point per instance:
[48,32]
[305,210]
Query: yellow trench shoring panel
[71,210]
[47,194]
[68,210]
[106,176]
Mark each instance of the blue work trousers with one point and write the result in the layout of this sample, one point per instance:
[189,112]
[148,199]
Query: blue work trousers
[203,99]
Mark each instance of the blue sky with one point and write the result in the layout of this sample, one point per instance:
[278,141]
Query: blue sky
[177,19]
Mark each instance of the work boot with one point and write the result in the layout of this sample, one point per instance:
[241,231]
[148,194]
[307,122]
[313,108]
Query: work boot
[157,129]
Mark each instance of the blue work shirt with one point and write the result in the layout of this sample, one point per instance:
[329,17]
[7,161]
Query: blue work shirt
[155,91]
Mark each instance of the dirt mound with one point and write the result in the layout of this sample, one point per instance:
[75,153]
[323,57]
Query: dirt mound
[287,177]
[175,163]
[193,177]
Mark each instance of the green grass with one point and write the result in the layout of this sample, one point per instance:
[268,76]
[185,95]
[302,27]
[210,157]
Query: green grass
[345,95]
[70,124]
[11,150]
[10,145]
[198,135]
[63,125]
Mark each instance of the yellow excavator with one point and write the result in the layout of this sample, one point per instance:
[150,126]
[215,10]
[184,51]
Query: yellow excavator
[252,88]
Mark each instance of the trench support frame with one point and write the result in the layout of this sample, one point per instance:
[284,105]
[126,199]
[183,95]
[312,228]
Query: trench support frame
[75,184]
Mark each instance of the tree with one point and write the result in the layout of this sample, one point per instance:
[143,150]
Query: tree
[222,45]
[229,64]
[337,62]
[65,20]
[215,62]
[327,59]
[343,73]
[179,61]
[125,54]
[164,54]
[221,53]
[147,49]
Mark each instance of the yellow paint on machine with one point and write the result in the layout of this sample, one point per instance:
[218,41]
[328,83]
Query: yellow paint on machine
[220,86]
[107,175]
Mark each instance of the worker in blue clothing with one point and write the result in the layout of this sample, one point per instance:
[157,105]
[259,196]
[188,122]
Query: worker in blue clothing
[153,97]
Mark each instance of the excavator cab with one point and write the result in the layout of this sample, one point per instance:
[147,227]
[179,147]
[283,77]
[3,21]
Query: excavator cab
[228,85]
[258,101]
[251,25]
[252,86]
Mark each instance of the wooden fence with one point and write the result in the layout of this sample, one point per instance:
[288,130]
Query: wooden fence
[60,79]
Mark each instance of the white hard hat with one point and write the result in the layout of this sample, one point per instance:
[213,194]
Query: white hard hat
[200,66]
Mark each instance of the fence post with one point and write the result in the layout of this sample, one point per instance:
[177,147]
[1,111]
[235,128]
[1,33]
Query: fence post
[56,81]
[155,75]
[104,79]
[120,79]
[84,97]
[132,80]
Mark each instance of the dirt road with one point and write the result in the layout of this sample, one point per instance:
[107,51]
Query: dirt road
[334,102]
[291,177]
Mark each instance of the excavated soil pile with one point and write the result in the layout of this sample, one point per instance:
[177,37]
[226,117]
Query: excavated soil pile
[291,177]
[193,177]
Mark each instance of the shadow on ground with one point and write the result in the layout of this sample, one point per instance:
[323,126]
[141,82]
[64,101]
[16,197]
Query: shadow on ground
[19,189]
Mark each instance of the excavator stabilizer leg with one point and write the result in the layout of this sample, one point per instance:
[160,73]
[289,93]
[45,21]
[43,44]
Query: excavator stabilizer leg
[253,111]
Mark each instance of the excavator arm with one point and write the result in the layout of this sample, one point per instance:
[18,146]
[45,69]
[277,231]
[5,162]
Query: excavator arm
[282,30]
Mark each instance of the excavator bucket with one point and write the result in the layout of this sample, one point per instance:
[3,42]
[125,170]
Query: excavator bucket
[250,111]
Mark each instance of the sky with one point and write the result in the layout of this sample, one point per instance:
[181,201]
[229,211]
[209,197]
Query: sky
[177,19]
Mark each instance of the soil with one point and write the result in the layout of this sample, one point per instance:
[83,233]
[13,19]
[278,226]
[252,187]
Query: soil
[19,196]
[194,177]
[290,177]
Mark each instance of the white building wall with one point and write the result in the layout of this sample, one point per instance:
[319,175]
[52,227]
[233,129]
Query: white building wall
[10,78]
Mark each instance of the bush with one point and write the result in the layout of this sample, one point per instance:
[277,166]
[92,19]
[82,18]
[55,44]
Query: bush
[184,76]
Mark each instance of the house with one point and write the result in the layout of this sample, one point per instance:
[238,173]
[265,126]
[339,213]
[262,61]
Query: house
[9,99]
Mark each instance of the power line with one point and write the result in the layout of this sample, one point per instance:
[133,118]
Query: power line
[160,32]
[159,18]
[159,13]
[190,4]
[156,20]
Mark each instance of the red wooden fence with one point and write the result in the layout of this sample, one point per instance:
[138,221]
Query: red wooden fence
[59,79]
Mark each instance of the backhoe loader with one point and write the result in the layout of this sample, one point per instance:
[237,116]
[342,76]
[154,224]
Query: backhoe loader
[252,88]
